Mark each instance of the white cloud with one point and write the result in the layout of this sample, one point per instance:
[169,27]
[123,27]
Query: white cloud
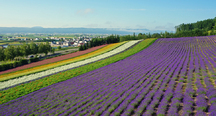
[92,25]
[167,27]
[137,9]
[85,11]
[108,22]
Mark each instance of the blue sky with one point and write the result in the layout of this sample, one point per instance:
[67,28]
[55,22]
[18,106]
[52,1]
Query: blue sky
[122,14]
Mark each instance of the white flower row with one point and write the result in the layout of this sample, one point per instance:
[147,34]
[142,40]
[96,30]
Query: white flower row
[34,76]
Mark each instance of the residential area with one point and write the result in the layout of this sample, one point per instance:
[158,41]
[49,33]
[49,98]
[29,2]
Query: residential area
[73,40]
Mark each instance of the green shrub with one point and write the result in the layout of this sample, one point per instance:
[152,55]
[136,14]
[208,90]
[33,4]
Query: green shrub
[33,60]
[24,61]
[1,68]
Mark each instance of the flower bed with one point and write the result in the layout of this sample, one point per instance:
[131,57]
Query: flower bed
[36,69]
[20,90]
[34,76]
[51,60]
[174,77]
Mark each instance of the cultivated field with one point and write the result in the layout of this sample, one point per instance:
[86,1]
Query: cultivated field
[51,60]
[173,76]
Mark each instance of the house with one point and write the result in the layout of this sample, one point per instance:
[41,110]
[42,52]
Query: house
[80,44]
[66,43]
[37,39]
[87,39]
[75,44]
[58,43]
[72,43]
[13,39]
[47,37]
[1,36]
[9,37]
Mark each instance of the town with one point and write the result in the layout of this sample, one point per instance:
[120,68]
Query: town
[72,40]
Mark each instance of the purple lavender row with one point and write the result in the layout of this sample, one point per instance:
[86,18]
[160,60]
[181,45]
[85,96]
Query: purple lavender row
[168,94]
[189,91]
[155,100]
[150,108]
[80,112]
[176,101]
[177,96]
[119,99]
[201,101]
[210,88]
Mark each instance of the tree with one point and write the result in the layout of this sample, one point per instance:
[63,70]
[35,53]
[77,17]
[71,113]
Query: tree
[17,51]
[59,47]
[9,53]
[53,50]
[25,49]
[2,55]
[41,48]
[166,34]
[28,49]
[33,48]
[88,45]
[81,48]
[214,27]
[48,46]
[155,35]
[149,35]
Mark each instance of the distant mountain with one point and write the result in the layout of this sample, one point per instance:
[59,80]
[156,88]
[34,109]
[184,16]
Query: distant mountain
[39,29]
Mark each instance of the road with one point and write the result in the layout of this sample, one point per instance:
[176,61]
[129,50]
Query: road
[57,53]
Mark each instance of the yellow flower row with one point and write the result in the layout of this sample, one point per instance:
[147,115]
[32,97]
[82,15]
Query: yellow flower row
[59,63]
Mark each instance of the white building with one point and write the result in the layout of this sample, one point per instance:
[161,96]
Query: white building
[66,43]
[37,39]
[58,43]
[75,44]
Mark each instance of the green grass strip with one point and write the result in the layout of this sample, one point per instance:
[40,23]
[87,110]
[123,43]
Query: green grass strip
[24,89]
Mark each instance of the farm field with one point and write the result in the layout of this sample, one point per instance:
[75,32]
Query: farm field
[31,75]
[173,76]
[51,60]
[26,88]
[55,62]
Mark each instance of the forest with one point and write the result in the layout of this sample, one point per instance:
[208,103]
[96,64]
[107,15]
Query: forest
[11,52]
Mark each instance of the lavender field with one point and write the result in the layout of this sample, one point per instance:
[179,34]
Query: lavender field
[173,76]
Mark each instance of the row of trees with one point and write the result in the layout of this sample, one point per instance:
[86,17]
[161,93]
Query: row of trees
[189,33]
[200,28]
[100,41]
[11,52]
[84,47]
[208,24]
